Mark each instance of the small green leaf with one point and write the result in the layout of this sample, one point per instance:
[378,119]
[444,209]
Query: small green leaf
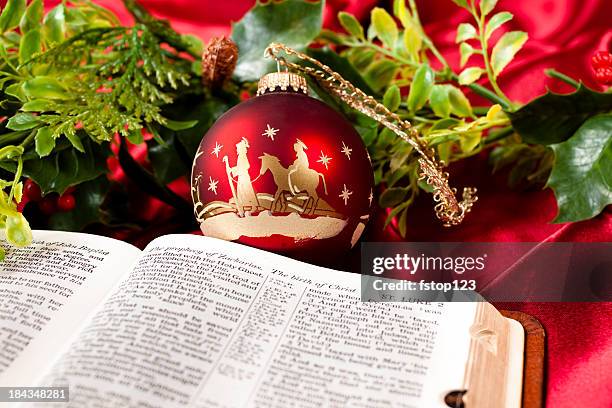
[505,49]
[18,192]
[18,231]
[44,87]
[11,15]
[465,31]
[180,125]
[439,100]
[351,25]
[16,91]
[460,105]
[413,41]
[392,196]
[44,141]
[31,44]
[461,3]
[466,51]
[135,137]
[444,151]
[385,27]
[421,87]
[75,140]
[400,11]
[581,176]
[380,73]
[493,112]
[392,98]
[470,75]
[36,105]
[396,211]
[54,25]
[32,17]
[486,6]
[193,43]
[360,58]
[402,223]
[23,121]
[497,21]
[469,141]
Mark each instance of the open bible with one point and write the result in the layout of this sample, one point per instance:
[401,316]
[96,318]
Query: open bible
[199,322]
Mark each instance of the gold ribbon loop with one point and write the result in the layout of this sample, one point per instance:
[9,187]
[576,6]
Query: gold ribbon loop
[448,209]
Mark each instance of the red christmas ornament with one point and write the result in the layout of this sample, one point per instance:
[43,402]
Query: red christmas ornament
[283,172]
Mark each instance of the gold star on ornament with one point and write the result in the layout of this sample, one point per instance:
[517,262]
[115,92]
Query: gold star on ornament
[270,132]
[217,149]
[212,186]
[346,193]
[345,149]
[324,159]
[370,197]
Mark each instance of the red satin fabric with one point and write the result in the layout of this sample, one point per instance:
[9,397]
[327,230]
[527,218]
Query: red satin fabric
[563,35]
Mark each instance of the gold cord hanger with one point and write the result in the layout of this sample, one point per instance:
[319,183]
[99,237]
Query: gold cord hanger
[447,208]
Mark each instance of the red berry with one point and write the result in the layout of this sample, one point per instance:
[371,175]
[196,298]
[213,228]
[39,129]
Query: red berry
[48,205]
[601,59]
[66,202]
[31,190]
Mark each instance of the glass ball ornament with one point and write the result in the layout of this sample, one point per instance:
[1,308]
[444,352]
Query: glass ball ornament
[284,172]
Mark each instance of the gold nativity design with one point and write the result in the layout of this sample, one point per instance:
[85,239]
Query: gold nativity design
[294,210]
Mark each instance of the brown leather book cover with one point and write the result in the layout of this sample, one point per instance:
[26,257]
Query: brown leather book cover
[533,366]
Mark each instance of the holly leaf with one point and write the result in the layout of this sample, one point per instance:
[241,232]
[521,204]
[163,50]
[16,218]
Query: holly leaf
[173,158]
[294,23]
[89,197]
[65,167]
[553,118]
[582,174]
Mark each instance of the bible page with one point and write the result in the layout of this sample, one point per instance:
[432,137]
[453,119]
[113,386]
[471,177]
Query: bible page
[206,323]
[47,290]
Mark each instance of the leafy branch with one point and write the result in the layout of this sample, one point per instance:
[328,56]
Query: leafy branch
[76,75]
[503,52]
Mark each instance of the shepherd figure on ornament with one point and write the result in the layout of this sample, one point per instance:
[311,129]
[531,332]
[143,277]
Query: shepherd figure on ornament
[244,195]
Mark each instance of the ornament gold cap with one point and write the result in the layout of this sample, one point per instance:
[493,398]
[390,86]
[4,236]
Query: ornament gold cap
[282,81]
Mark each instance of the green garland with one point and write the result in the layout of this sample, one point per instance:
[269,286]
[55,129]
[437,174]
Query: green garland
[75,81]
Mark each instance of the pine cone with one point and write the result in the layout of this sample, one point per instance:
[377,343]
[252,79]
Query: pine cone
[219,61]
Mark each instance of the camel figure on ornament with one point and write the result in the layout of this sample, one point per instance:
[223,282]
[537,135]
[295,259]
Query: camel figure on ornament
[296,185]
